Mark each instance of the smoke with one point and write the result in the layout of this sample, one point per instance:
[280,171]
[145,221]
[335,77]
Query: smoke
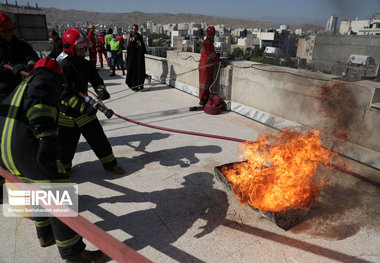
[350,9]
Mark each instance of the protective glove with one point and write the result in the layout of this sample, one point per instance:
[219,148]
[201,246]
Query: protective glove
[47,151]
[2,69]
[88,109]
[18,68]
[103,95]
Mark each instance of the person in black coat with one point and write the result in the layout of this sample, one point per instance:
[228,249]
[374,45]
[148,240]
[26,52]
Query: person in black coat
[57,49]
[135,60]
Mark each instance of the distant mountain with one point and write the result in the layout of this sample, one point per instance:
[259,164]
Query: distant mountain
[57,16]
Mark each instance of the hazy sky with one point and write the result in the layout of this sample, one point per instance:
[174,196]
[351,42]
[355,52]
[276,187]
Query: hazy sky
[286,11]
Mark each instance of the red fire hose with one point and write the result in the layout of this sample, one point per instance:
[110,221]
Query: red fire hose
[340,168]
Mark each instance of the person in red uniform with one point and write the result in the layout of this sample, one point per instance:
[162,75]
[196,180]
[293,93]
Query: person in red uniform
[206,73]
[92,44]
[101,47]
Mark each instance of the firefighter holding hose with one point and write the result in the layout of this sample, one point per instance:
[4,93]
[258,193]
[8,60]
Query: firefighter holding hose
[17,53]
[29,150]
[76,116]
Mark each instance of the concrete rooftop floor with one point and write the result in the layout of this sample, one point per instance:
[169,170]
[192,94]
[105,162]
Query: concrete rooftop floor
[169,207]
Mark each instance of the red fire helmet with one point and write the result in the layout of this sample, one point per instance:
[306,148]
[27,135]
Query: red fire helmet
[6,22]
[73,37]
[48,63]
[210,30]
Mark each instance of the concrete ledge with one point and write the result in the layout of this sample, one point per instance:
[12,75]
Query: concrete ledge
[263,117]
[361,154]
[183,86]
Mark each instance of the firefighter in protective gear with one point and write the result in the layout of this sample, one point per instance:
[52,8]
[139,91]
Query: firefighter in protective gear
[101,47]
[206,73]
[14,52]
[92,44]
[77,117]
[29,148]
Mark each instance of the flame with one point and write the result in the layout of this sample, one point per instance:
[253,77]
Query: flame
[278,173]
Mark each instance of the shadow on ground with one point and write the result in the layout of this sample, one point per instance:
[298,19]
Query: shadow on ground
[144,140]
[172,212]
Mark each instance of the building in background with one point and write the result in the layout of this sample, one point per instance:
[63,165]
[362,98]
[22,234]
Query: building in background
[332,22]
[305,48]
[176,36]
[361,27]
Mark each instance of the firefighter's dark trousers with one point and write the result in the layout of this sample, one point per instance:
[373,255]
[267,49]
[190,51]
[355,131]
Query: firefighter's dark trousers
[69,243]
[94,135]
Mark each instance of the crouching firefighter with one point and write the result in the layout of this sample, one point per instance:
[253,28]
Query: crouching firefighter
[29,150]
[77,117]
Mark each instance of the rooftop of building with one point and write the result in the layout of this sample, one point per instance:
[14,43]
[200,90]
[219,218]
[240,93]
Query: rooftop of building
[169,207]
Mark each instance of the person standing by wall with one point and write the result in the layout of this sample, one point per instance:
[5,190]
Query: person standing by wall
[92,44]
[108,38]
[206,73]
[122,43]
[135,60]
[57,49]
[116,55]
[101,47]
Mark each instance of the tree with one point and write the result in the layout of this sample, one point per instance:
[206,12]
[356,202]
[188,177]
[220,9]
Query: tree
[237,52]
[257,52]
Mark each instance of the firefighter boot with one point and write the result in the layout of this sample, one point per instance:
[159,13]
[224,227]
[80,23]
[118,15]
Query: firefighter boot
[116,169]
[88,256]
[47,242]
[45,235]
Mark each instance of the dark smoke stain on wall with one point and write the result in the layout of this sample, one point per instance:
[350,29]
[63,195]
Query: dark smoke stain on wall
[337,104]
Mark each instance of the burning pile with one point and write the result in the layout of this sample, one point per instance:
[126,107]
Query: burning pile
[278,174]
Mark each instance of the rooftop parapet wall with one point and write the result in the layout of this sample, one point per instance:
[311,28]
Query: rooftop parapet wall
[282,97]
[341,110]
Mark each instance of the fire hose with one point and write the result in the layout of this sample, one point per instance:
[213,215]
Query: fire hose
[107,111]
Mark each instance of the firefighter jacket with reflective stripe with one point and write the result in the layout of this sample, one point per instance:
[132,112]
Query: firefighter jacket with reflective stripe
[208,54]
[77,73]
[30,114]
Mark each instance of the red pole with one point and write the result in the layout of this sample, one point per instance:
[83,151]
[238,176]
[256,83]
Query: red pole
[95,235]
